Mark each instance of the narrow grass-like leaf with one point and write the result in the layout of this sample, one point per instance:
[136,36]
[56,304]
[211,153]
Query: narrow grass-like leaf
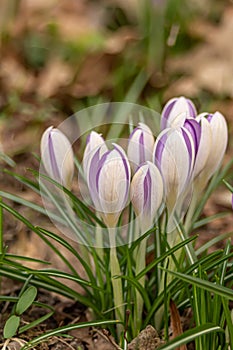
[227,314]
[210,219]
[57,273]
[22,179]
[65,329]
[50,285]
[35,322]
[31,205]
[213,242]
[140,288]
[9,256]
[34,229]
[190,335]
[1,229]
[209,286]
[164,256]
[65,244]
[7,159]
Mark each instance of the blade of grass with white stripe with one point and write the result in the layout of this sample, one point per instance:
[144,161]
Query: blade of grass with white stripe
[63,330]
[190,335]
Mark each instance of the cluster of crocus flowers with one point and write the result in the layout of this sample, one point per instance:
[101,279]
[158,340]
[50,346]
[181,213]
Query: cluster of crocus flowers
[188,150]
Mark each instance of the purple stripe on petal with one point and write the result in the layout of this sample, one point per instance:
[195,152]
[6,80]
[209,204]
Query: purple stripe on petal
[166,112]
[142,157]
[88,139]
[99,168]
[133,132]
[209,118]
[52,157]
[159,150]
[127,171]
[147,190]
[195,130]
[192,109]
[188,144]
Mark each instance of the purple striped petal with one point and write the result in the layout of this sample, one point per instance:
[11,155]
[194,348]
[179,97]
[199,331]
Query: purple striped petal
[52,157]
[158,153]
[195,130]
[147,190]
[140,146]
[176,111]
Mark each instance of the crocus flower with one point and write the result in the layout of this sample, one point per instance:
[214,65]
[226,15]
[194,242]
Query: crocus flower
[176,111]
[57,156]
[219,135]
[147,193]
[94,140]
[200,131]
[174,156]
[108,178]
[140,146]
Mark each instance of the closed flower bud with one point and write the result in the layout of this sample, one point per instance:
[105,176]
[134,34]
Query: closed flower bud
[200,131]
[174,156]
[219,137]
[140,146]
[176,111]
[57,156]
[109,181]
[146,193]
[94,140]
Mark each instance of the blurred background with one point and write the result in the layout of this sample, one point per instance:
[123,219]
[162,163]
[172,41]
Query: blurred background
[60,56]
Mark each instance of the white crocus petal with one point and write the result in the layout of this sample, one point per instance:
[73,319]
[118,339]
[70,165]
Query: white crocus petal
[94,140]
[176,111]
[57,156]
[140,146]
[220,138]
[146,193]
[203,148]
[112,181]
[174,156]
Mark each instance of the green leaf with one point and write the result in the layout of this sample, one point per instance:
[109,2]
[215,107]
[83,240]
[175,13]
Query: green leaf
[35,322]
[26,300]
[11,326]
[68,328]
[191,334]
[209,286]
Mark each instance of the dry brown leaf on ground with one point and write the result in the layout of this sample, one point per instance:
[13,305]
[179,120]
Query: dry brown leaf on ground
[72,18]
[208,66]
[55,75]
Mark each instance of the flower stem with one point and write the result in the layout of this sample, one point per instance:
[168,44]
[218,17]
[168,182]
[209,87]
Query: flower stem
[116,283]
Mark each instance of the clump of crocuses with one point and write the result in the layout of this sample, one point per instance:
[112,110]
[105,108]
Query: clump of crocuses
[157,175]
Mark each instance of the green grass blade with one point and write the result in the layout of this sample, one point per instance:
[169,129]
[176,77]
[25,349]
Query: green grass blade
[209,286]
[65,329]
[164,256]
[190,335]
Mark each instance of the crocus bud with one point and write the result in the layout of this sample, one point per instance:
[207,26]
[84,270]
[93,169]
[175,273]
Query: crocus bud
[94,140]
[109,181]
[200,131]
[219,135]
[57,156]
[176,111]
[146,193]
[174,156]
[140,146]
